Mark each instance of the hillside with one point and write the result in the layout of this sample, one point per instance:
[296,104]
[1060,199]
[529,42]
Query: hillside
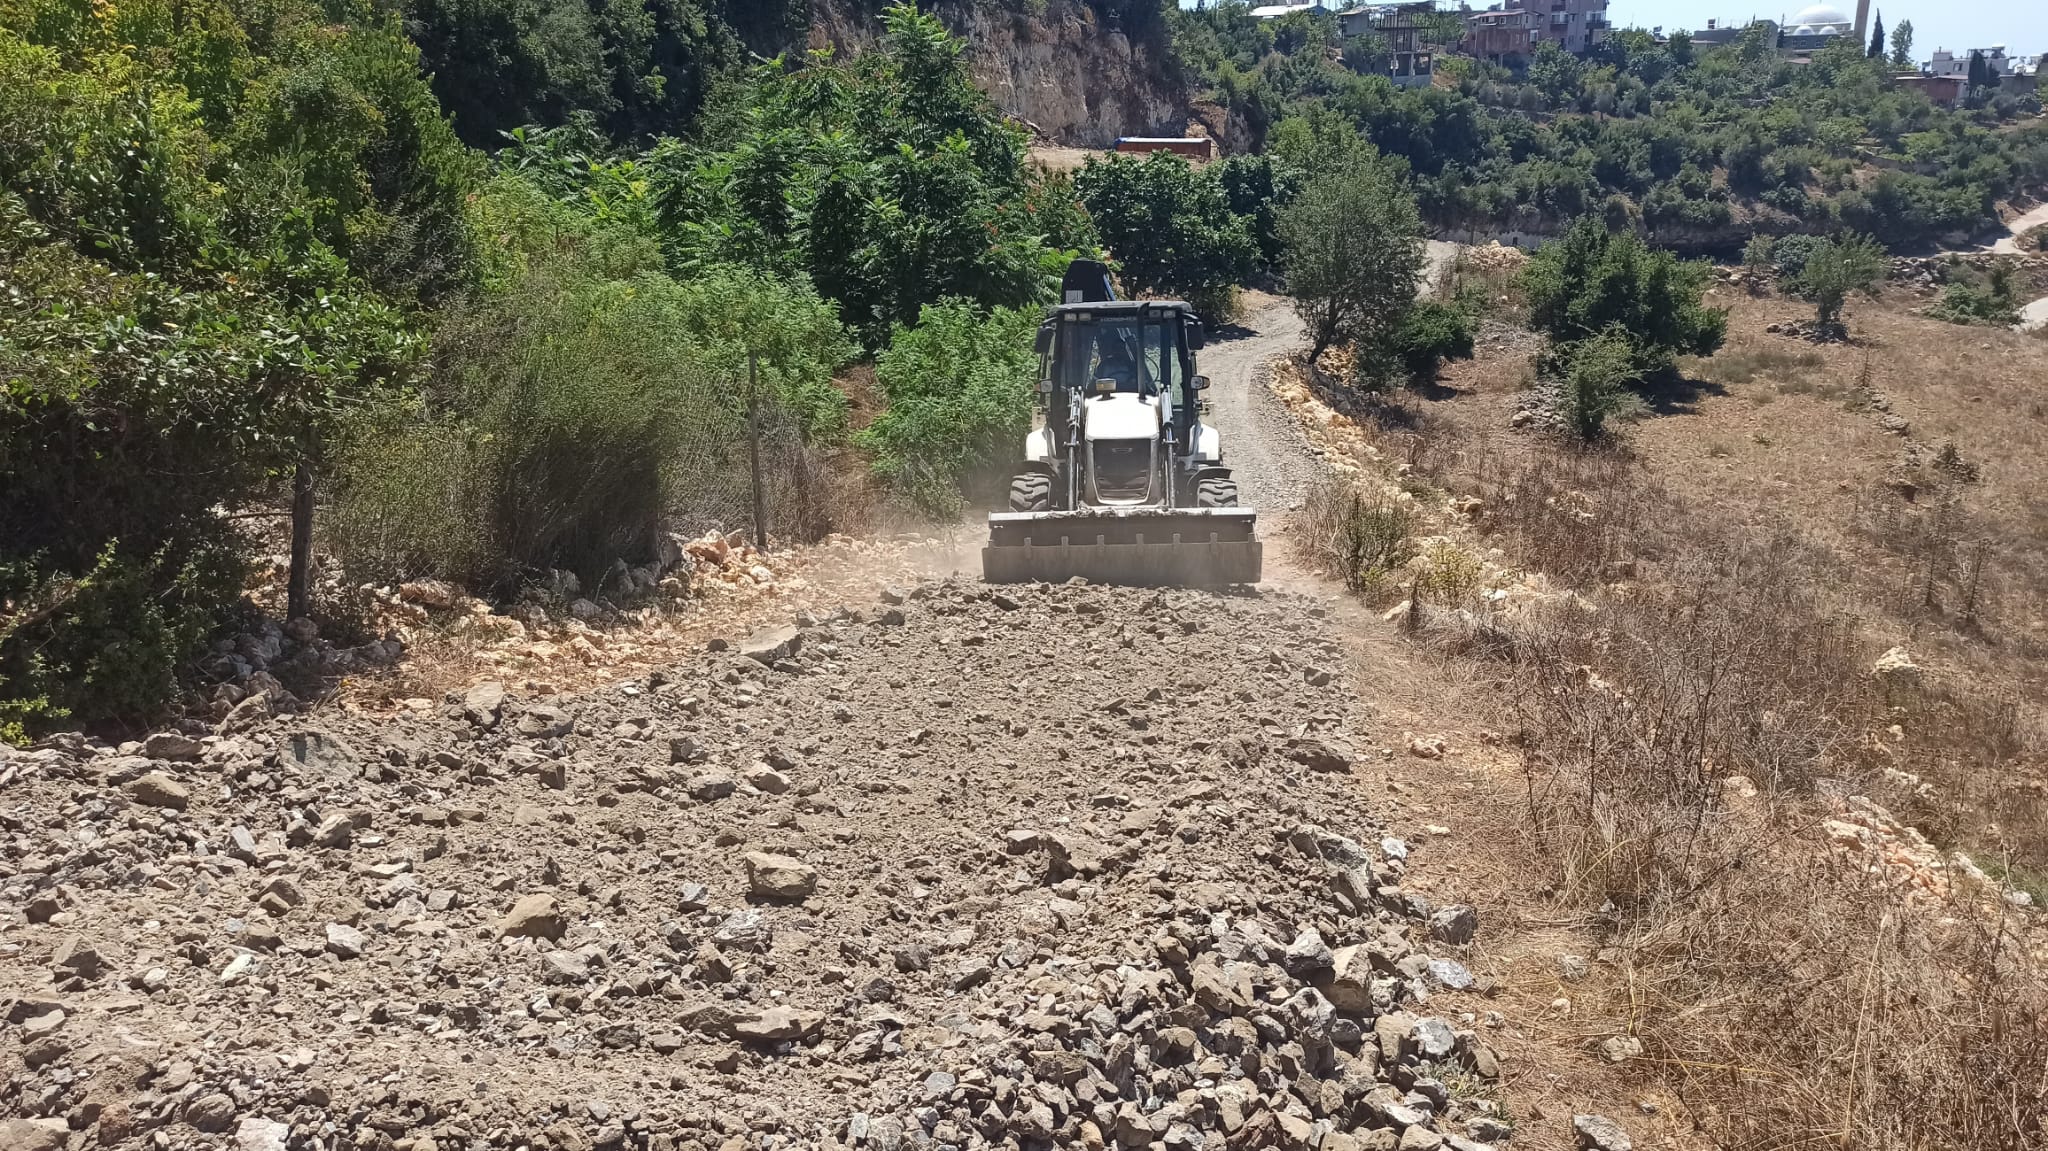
[494,652]
[1077,72]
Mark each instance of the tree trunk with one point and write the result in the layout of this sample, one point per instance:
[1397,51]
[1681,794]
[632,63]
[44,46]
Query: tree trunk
[299,584]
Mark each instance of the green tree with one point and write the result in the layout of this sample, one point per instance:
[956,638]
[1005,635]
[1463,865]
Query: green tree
[1368,54]
[1431,333]
[1759,259]
[753,329]
[1902,45]
[201,279]
[1556,73]
[958,386]
[1257,189]
[634,70]
[889,179]
[1591,281]
[1837,267]
[1877,40]
[1170,227]
[1598,371]
[1354,253]
[1980,71]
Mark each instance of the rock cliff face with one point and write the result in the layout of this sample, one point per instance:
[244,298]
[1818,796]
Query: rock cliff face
[1062,70]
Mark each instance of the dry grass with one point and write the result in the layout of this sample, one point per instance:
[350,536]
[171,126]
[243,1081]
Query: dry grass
[1784,991]
[1741,560]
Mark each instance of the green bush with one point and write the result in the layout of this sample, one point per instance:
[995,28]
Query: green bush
[1994,304]
[565,419]
[1432,333]
[1593,282]
[1596,373]
[1790,253]
[959,386]
[1834,269]
[1169,225]
[109,642]
[1965,304]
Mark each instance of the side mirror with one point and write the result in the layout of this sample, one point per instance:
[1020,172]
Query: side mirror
[1044,342]
[1199,383]
[1196,337]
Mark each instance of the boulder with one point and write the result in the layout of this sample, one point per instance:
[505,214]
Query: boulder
[1599,1133]
[776,1025]
[159,790]
[483,703]
[534,916]
[172,745]
[778,877]
[1454,924]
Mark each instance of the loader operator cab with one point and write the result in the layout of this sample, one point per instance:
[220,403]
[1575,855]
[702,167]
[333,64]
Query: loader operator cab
[1145,348]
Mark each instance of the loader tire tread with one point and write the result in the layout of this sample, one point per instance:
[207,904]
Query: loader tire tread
[1031,492]
[1216,492]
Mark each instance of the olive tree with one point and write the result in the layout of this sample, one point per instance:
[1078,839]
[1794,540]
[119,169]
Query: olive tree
[1353,244]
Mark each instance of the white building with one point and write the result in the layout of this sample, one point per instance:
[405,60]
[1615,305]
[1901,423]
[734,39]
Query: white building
[1957,64]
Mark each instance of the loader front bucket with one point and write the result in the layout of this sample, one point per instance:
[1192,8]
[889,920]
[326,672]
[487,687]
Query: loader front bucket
[1161,547]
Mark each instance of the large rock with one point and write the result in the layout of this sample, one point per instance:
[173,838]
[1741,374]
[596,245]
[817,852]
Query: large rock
[535,916]
[771,644]
[484,703]
[1347,982]
[76,956]
[779,877]
[172,745]
[1599,1133]
[1319,755]
[261,1135]
[1896,667]
[567,967]
[777,1025]
[212,1113]
[1454,924]
[159,790]
[345,941]
[1222,988]
[32,1135]
[709,786]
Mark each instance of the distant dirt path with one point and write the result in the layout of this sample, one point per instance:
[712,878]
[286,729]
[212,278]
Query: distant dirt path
[2020,226]
[1261,442]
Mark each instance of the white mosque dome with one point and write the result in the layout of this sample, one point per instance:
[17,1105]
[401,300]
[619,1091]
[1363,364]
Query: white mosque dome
[1820,20]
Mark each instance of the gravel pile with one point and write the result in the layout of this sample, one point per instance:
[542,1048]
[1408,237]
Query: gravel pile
[1033,867]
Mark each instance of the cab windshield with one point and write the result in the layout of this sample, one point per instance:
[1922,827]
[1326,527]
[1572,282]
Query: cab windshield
[1141,356]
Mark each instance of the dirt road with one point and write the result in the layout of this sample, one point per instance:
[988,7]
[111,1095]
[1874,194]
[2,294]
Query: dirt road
[962,868]
[1261,441]
[2020,226]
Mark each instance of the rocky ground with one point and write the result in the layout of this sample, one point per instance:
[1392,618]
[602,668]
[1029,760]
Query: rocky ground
[1051,866]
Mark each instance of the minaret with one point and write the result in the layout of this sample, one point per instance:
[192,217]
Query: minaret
[1863,21]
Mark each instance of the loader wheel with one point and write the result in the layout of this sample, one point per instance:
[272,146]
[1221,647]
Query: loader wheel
[1216,492]
[1031,492]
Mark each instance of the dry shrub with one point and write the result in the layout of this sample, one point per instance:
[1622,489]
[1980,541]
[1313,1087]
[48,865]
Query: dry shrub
[1793,1003]
[1577,514]
[1743,363]
[1790,997]
[1632,714]
[1358,533]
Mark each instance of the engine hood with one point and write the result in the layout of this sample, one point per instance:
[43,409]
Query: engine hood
[1122,416]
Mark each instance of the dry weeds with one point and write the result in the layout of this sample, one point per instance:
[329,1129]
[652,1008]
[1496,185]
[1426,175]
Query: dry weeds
[1687,734]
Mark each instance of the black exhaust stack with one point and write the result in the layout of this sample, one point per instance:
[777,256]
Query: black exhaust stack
[1086,282]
